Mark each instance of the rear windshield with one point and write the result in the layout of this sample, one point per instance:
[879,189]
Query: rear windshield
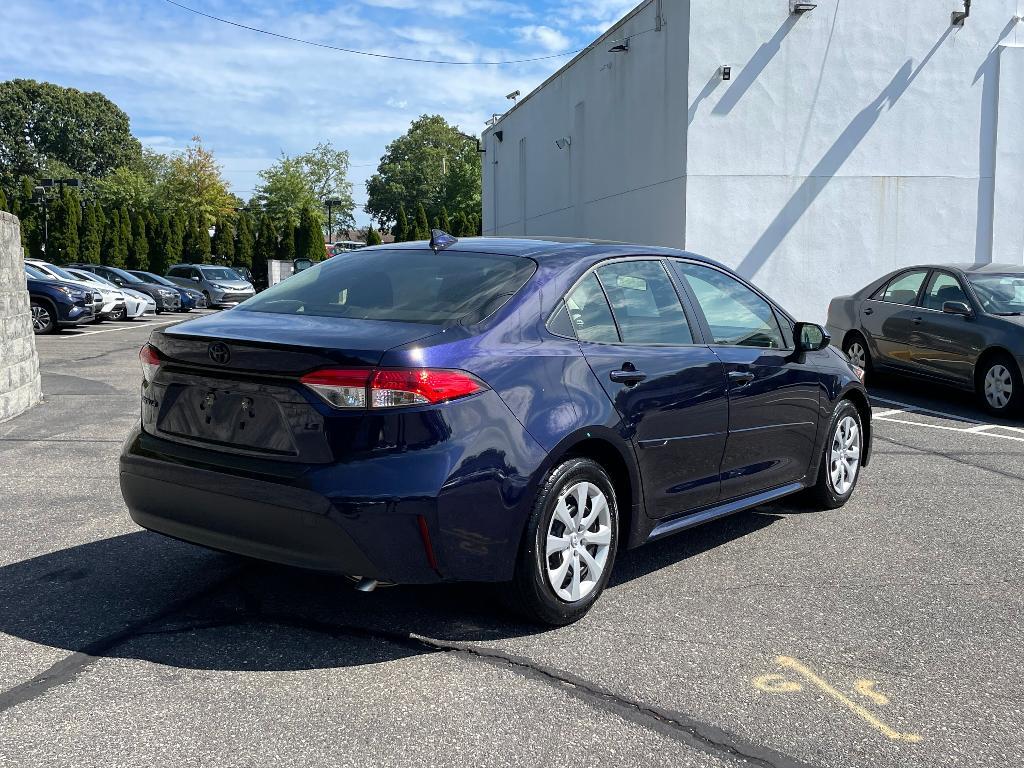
[412,286]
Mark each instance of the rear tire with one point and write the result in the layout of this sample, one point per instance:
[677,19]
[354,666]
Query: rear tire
[841,456]
[568,549]
[856,348]
[999,387]
[44,319]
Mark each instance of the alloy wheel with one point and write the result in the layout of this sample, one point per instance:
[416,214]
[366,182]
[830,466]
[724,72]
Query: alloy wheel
[998,386]
[856,354]
[844,457]
[578,542]
[40,318]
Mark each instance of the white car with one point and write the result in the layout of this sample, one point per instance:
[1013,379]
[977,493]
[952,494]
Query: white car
[135,304]
[106,304]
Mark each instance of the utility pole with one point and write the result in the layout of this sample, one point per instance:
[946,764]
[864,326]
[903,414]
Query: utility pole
[331,202]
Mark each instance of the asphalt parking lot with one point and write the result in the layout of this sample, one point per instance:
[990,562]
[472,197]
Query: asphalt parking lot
[886,633]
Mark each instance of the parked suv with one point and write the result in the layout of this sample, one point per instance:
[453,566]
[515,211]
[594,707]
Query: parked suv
[104,303]
[493,409]
[221,286]
[56,304]
[167,299]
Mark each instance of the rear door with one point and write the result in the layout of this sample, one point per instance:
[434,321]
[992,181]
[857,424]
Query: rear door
[668,387]
[946,345]
[773,393]
[888,318]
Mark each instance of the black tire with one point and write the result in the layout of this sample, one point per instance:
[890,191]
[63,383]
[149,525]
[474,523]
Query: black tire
[850,345]
[531,593]
[209,301]
[824,494]
[998,385]
[119,314]
[44,317]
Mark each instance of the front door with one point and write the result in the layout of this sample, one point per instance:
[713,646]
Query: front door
[946,345]
[667,387]
[773,394]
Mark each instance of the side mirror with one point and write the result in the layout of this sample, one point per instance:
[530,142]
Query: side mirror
[119,281]
[957,308]
[300,265]
[195,278]
[810,337]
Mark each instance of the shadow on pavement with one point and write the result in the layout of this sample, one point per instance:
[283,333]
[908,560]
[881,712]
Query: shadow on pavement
[146,597]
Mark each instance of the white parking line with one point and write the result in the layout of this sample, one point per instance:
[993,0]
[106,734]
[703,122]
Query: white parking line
[143,324]
[979,427]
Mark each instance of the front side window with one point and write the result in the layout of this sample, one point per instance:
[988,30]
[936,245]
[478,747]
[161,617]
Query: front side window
[412,286]
[735,314]
[645,303]
[904,289]
[941,288]
[220,273]
[590,313]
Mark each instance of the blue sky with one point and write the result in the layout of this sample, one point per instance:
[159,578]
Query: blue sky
[251,96]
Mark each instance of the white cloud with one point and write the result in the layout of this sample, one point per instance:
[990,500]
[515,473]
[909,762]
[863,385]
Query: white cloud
[551,40]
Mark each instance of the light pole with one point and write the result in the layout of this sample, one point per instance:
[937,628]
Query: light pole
[330,203]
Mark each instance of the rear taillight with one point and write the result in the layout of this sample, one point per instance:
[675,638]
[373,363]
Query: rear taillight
[149,358]
[390,387]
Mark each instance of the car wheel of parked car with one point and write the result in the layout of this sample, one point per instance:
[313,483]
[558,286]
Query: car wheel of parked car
[857,350]
[43,318]
[999,385]
[841,458]
[569,546]
[209,301]
[119,314]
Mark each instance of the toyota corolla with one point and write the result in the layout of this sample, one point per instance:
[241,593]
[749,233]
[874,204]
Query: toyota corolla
[500,410]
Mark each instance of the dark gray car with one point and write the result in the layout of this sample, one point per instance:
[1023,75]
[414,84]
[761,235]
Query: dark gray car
[958,323]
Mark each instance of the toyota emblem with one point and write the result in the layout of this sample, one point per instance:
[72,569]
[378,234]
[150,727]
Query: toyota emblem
[219,353]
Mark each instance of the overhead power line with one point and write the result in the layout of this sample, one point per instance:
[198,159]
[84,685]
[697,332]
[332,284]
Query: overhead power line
[370,53]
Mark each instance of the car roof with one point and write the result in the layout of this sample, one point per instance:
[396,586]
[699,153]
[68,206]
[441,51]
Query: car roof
[970,268]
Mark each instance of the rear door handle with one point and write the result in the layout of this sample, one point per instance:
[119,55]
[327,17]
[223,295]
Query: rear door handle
[868,310]
[916,321]
[627,377]
[741,378]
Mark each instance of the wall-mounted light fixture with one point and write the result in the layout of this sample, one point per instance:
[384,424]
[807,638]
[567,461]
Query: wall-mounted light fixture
[725,72]
[795,7]
[563,143]
[957,18]
[620,47]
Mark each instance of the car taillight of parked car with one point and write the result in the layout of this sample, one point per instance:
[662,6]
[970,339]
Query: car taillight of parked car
[390,387]
[149,358]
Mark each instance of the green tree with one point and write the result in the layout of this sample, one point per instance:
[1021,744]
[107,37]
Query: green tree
[286,245]
[266,247]
[159,259]
[195,243]
[47,127]
[3,201]
[459,225]
[65,212]
[422,226]
[134,186]
[444,221]
[175,238]
[194,185]
[433,163]
[224,241]
[138,246]
[309,238]
[111,247]
[372,236]
[401,228]
[245,242]
[90,239]
[294,184]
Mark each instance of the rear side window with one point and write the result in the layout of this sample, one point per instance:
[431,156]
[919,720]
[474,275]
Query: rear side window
[412,286]
[177,272]
[904,289]
[736,315]
[645,303]
[590,313]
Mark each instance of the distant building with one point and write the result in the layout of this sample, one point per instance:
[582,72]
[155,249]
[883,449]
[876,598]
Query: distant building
[812,151]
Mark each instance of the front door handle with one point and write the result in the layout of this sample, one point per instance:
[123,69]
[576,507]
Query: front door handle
[740,378]
[627,376]
[916,321]
[868,310]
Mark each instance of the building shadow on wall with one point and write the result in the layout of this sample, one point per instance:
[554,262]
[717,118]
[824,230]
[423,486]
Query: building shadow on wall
[832,161]
[752,69]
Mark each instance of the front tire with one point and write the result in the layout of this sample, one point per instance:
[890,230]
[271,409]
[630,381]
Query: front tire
[568,548]
[44,319]
[841,459]
[1000,390]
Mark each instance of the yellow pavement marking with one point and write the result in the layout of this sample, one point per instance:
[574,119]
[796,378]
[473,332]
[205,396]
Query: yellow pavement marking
[780,684]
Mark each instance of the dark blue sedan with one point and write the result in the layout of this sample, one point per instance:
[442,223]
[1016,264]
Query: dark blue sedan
[504,410]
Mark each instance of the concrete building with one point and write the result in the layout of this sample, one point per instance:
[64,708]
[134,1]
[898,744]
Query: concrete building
[840,143]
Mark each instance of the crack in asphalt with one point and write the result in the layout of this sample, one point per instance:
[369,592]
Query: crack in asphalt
[674,725]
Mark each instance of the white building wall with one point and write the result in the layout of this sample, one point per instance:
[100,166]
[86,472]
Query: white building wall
[852,139]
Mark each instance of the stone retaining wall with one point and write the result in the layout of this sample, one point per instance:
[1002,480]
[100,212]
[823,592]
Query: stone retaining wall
[19,363]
